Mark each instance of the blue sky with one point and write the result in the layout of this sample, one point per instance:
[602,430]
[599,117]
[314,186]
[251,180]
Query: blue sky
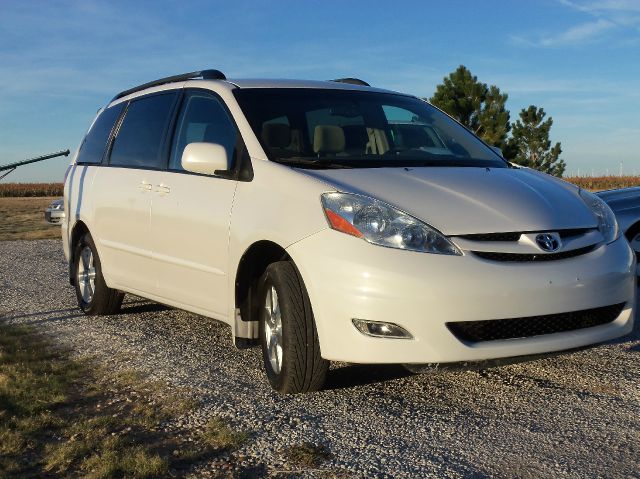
[580,60]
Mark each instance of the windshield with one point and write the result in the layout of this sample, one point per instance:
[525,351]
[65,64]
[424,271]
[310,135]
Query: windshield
[322,128]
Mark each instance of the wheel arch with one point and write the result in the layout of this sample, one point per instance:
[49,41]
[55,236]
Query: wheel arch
[79,229]
[252,265]
[633,230]
[631,233]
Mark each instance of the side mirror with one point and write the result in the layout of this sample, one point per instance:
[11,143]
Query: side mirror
[205,158]
[498,150]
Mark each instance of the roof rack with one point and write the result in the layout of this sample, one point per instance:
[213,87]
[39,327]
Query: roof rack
[204,74]
[353,81]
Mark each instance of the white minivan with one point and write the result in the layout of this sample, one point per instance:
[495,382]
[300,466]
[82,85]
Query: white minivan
[333,221]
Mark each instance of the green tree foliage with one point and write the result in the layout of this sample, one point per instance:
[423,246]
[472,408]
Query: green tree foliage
[494,118]
[478,107]
[482,109]
[530,142]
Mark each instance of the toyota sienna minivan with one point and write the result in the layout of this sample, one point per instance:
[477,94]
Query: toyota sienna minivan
[333,221]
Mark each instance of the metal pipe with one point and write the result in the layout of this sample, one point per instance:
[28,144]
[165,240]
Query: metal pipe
[13,166]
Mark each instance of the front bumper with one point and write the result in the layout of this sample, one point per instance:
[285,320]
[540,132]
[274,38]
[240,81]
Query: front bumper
[54,217]
[348,278]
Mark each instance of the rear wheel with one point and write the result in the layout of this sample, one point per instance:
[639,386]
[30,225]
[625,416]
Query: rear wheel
[290,346]
[94,296]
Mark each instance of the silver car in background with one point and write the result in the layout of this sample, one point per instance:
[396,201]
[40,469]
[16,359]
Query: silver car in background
[54,214]
[625,203]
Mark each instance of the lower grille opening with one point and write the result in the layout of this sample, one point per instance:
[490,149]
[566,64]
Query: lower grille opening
[512,328]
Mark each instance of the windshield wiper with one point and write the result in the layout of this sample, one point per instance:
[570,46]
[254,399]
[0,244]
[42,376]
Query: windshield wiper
[322,162]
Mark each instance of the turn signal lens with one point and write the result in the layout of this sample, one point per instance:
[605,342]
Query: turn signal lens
[337,222]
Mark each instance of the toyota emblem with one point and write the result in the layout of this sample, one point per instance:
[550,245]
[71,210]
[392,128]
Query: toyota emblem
[549,242]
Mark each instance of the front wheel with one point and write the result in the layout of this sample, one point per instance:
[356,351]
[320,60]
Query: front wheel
[290,346]
[94,296]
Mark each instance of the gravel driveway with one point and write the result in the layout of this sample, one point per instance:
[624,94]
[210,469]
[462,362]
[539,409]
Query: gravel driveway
[571,415]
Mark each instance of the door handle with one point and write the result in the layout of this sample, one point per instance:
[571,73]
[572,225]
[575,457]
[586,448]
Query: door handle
[144,186]
[163,189]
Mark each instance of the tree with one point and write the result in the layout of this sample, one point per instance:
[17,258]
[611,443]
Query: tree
[530,144]
[478,107]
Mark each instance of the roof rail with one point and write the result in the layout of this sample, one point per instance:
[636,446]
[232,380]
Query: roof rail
[353,81]
[204,74]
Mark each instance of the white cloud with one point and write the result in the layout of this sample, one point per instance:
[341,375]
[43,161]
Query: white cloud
[607,16]
[603,6]
[578,34]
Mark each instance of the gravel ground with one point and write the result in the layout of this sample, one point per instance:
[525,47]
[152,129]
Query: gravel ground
[570,415]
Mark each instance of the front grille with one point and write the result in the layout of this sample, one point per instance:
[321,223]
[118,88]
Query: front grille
[494,329]
[574,232]
[525,257]
[492,237]
[515,236]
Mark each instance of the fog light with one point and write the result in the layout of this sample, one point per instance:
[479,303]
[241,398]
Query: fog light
[380,329]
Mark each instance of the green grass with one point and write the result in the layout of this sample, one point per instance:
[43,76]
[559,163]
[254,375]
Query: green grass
[61,417]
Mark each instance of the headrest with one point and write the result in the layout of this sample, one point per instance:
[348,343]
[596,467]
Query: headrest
[328,139]
[276,135]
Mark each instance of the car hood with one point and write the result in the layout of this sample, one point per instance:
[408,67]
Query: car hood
[625,203]
[622,198]
[460,201]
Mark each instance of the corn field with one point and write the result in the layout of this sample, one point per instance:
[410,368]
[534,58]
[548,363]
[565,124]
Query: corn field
[30,189]
[598,183]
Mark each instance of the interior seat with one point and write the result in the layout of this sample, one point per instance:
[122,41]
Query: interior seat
[328,139]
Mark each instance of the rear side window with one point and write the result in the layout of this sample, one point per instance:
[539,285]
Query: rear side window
[203,119]
[93,146]
[139,142]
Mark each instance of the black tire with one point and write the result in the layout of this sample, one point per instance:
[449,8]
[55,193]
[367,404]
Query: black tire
[104,300]
[302,368]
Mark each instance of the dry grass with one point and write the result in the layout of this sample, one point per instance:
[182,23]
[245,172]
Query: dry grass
[67,418]
[218,435]
[598,183]
[307,455]
[23,219]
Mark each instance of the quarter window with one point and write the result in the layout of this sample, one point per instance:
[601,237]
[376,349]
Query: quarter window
[203,120]
[140,138]
[93,146]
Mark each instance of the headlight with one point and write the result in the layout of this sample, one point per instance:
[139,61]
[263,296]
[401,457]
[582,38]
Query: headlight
[382,224]
[607,223]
